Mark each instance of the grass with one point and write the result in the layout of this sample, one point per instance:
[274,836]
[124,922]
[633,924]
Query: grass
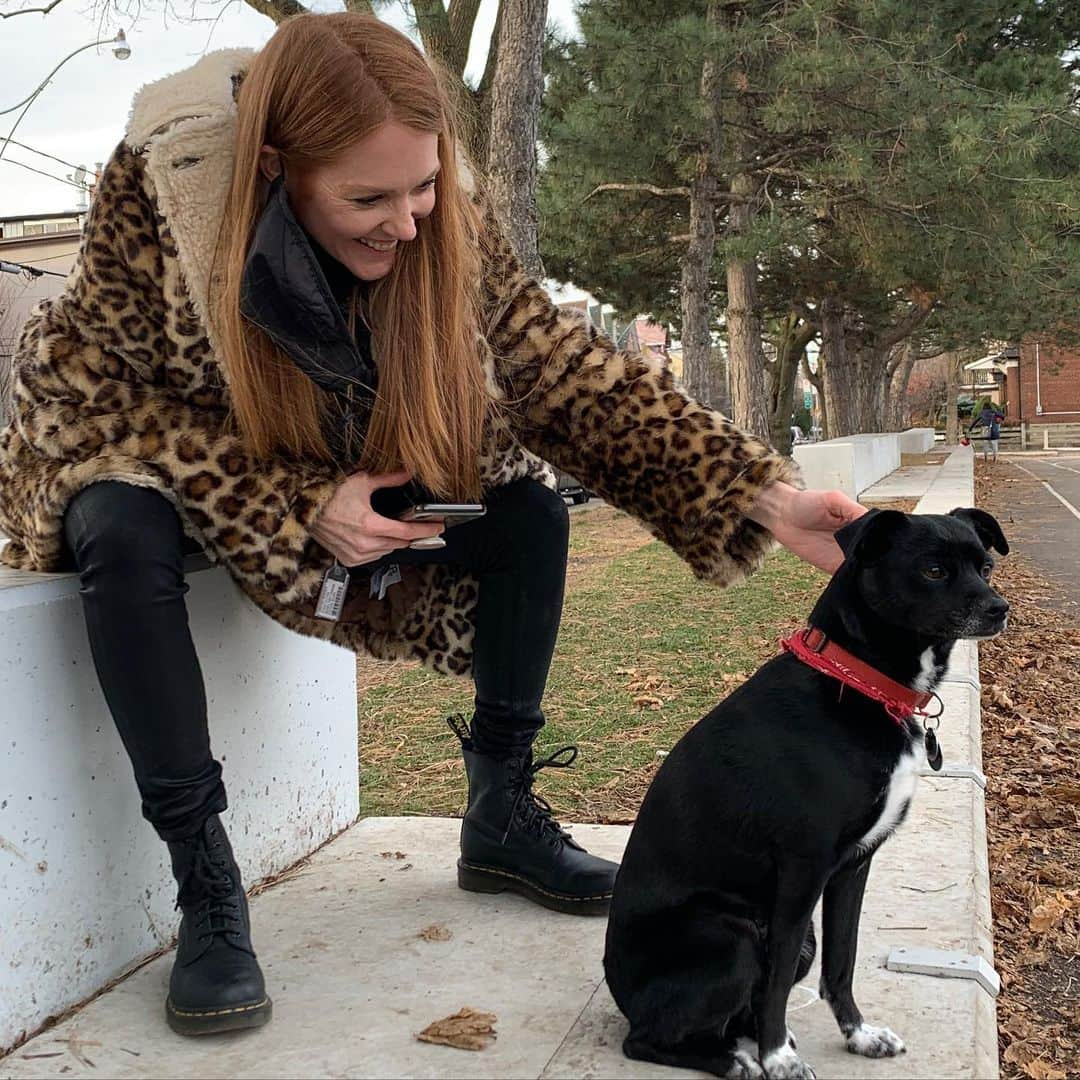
[644,651]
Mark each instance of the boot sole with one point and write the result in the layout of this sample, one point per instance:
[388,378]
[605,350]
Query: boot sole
[487,879]
[215,1021]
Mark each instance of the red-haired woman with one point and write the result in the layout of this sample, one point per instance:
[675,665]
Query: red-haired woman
[289,297]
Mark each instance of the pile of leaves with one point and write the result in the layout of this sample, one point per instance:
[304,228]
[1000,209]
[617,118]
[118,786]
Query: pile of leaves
[1031,750]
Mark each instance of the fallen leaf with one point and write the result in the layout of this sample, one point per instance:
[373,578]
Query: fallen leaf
[436,932]
[466,1029]
[392,854]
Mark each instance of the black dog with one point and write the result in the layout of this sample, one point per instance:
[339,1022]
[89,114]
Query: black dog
[782,794]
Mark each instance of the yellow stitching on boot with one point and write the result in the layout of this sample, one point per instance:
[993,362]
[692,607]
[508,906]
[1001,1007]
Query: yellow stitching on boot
[533,885]
[218,1012]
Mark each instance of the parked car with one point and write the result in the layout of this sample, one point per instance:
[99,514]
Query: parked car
[571,488]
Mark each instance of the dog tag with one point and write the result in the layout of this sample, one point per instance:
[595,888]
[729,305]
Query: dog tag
[332,595]
[933,750]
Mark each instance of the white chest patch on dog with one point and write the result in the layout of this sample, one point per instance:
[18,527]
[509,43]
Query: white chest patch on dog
[897,797]
[929,671]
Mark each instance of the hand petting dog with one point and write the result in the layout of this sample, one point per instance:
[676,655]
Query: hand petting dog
[805,521]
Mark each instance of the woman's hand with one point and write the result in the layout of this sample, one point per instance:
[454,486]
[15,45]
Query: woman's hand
[805,521]
[353,533]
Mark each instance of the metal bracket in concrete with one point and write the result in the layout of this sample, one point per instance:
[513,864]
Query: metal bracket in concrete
[966,679]
[957,771]
[945,965]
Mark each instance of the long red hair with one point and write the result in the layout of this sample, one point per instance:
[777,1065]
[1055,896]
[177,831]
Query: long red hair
[321,84]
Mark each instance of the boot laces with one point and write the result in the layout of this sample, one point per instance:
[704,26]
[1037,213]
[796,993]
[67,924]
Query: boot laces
[218,903]
[533,812]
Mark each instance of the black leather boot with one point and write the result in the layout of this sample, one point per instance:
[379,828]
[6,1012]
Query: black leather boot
[511,842]
[216,984]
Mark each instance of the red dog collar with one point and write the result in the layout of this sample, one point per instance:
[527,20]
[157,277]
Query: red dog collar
[813,648]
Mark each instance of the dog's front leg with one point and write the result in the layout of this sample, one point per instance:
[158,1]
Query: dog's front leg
[841,908]
[792,909]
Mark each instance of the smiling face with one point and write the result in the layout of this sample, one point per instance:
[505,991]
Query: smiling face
[361,207]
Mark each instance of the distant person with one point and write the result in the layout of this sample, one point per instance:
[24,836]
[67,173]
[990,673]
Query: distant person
[288,297]
[989,418]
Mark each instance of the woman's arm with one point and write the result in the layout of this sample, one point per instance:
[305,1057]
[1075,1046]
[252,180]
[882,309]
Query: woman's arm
[619,424]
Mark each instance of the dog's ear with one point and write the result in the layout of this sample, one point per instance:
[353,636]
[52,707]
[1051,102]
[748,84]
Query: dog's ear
[985,526]
[867,537]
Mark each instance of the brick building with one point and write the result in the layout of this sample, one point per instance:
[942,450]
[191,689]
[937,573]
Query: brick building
[1042,382]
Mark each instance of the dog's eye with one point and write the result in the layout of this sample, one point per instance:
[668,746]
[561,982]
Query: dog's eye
[934,573]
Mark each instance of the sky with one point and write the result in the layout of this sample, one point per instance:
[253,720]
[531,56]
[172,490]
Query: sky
[79,117]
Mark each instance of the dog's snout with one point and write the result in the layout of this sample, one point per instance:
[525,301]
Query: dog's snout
[998,608]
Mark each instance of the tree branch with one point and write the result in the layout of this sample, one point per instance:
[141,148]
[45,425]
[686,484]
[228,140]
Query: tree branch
[917,313]
[434,27]
[30,11]
[461,16]
[652,189]
[493,53]
[361,7]
[278,10]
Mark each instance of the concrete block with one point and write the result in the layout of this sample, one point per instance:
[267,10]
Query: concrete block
[917,440]
[84,884]
[850,464]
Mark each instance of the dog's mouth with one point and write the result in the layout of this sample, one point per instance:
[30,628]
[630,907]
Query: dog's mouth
[984,630]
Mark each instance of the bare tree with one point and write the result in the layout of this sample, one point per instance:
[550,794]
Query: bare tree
[515,113]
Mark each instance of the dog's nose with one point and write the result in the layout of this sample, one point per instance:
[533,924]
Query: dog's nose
[998,608]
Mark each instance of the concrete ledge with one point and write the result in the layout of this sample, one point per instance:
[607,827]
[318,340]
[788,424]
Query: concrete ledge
[85,889]
[917,440]
[850,464]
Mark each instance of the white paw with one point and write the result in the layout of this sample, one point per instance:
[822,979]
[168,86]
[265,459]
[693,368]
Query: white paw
[746,1066]
[785,1064]
[874,1042]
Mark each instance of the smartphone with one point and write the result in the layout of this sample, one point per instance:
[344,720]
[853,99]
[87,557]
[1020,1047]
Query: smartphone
[448,513]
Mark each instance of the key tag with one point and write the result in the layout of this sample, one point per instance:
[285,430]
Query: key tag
[933,749]
[332,594]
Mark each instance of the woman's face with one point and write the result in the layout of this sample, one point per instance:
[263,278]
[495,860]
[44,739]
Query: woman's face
[367,202]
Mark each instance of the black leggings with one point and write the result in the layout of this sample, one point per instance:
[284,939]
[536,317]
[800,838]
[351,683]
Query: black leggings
[128,547]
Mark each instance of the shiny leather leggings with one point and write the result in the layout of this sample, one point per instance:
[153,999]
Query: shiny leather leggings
[128,547]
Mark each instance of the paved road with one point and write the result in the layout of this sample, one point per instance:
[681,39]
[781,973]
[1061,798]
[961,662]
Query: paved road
[1040,512]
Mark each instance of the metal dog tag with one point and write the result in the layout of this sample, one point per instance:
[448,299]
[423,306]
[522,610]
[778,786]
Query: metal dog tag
[332,595]
[933,750]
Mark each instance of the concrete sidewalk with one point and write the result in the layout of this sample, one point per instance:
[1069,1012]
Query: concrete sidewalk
[353,980]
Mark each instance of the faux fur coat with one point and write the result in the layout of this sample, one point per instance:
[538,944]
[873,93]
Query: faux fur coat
[117,378]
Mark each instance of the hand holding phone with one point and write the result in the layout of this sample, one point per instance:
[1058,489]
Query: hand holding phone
[447,513]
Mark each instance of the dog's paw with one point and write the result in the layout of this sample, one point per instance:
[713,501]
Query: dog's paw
[785,1064]
[744,1064]
[874,1042]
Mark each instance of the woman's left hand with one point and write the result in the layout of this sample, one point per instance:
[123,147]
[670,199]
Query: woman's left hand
[805,521]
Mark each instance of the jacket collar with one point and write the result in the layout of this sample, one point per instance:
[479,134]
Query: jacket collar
[285,291]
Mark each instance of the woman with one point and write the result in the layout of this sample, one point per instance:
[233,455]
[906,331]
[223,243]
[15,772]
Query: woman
[364,324]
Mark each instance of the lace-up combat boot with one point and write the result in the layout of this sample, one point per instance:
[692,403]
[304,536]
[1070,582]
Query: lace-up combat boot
[511,842]
[216,984]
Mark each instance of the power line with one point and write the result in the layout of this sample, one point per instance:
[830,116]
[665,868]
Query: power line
[58,179]
[22,268]
[41,153]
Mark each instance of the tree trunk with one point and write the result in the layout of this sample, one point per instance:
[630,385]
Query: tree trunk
[745,352]
[898,385]
[817,381]
[841,395]
[516,88]
[952,392]
[790,352]
[694,290]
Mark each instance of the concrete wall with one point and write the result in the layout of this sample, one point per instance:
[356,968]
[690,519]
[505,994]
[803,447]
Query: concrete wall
[850,464]
[917,440]
[84,884]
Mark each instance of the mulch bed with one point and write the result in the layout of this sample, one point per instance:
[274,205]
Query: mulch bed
[1031,750]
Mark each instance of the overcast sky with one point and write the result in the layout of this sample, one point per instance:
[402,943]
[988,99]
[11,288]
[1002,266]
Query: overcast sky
[80,116]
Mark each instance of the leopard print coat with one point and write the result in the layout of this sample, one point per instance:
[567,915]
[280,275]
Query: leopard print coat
[117,378]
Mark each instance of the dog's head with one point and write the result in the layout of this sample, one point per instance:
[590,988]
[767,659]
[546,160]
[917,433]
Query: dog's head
[929,573]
